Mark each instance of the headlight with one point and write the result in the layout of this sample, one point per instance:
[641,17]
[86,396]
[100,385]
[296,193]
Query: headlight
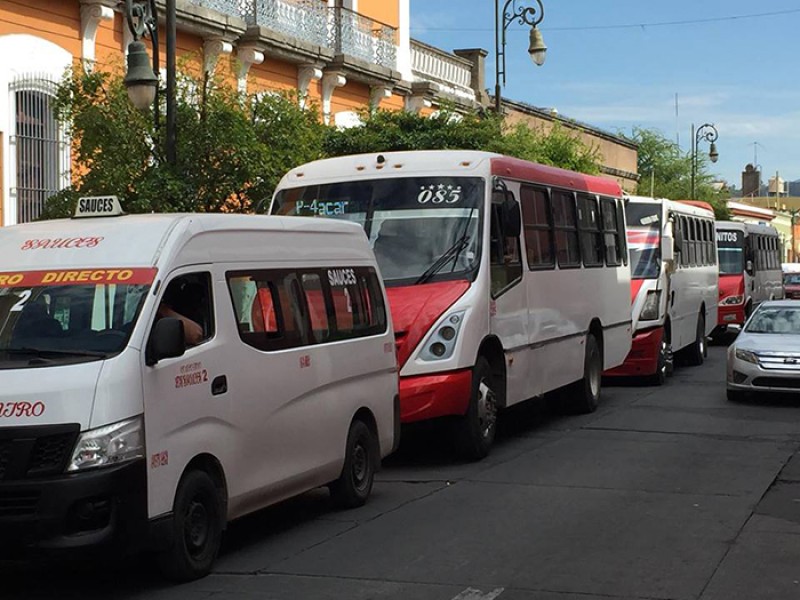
[746,356]
[732,300]
[651,303]
[442,343]
[108,445]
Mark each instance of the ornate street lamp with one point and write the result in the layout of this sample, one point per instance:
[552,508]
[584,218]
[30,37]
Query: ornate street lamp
[141,80]
[524,15]
[706,132]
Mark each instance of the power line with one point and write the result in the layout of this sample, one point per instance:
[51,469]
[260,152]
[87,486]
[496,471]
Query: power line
[639,25]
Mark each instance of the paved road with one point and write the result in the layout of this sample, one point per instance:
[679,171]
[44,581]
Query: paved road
[665,492]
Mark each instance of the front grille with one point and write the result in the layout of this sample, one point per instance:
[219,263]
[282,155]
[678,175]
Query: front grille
[779,361]
[30,452]
[18,504]
[777,382]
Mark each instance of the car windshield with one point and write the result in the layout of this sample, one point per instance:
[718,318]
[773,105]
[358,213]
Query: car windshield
[421,228]
[781,319]
[793,279]
[730,249]
[644,239]
[62,316]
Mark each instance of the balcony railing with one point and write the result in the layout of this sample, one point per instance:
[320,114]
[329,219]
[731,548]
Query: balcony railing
[363,38]
[233,8]
[343,30]
[452,73]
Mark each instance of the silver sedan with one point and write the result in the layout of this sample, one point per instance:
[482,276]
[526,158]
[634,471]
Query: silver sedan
[765,357]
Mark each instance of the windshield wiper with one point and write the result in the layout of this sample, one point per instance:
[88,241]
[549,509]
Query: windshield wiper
[45,352]
[451,253]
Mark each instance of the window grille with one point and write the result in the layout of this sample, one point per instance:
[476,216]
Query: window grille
[38,145]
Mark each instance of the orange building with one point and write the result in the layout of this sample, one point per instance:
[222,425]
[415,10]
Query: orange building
[344,55]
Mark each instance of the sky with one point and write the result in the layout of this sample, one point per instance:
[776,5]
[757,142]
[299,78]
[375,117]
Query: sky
[618,64]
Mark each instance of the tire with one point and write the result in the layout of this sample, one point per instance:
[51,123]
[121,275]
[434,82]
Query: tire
[475,431]
[361,462]
[197,523]
[662,368]
[584,395]
[697,352]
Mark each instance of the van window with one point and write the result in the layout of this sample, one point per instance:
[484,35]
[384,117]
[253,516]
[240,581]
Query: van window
[278,309]
[189,297]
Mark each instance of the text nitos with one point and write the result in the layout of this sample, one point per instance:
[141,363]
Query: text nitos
[340,277]
[727,236]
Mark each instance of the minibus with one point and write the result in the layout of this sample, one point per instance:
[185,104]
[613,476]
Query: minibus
[165,374]
[506,279]
[673,284]
[749,270]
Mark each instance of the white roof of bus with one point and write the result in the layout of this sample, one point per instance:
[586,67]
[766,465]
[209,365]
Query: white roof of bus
[395,164]
[134,240]
[672,205]
[761,228]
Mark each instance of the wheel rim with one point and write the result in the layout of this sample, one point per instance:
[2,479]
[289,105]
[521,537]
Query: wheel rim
[487,409]
[662,371]
[196,527]
[360,463]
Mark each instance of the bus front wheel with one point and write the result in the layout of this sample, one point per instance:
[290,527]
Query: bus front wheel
[475,431]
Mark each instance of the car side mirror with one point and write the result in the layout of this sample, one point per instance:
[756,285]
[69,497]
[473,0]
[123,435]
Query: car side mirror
[166,341]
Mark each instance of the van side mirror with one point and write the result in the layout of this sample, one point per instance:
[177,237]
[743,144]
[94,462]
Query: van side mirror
[166,341]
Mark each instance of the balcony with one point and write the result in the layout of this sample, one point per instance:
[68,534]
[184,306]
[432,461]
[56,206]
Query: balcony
[314,22]
[451,73]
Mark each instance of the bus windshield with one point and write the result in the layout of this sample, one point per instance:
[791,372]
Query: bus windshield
[730,248]
[644,239]
[42,324]
[421,228]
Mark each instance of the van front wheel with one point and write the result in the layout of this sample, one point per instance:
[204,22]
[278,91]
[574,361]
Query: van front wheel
[197,529]
[361,460]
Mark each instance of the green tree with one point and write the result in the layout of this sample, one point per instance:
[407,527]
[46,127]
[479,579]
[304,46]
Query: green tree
[231,149]
[665,171]
[385,131]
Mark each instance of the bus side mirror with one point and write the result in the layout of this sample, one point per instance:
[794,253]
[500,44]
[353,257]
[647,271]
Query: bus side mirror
[166,341]
[511,216]
[749,267]
[669,246]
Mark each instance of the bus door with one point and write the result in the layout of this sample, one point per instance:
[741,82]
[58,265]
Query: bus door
[508,309]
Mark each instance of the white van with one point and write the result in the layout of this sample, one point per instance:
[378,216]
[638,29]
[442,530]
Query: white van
[165,374]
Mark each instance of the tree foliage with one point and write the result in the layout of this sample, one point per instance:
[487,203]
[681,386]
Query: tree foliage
[233,149]
[385,130]
[665,171]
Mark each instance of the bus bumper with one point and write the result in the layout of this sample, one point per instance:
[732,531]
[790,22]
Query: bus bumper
[97,509]
[730,314]
[430,396]
[642,359]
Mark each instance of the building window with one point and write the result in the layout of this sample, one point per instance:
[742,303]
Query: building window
[38,146]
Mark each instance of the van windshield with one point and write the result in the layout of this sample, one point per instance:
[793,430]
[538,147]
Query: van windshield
[49,317]
[421,228]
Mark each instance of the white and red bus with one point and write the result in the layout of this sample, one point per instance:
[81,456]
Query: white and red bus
[506,279]
[673,284]
[749,269]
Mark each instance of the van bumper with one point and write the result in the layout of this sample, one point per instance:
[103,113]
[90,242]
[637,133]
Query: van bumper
[642,359]
[430,396]
[97,509]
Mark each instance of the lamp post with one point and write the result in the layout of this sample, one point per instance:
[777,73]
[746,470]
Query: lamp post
[525,15]
[706,132]
[142,80]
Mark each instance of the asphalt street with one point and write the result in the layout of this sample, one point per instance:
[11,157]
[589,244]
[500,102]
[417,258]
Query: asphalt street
[668,492]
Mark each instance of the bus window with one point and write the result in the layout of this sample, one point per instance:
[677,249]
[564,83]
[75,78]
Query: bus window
[566,226]
[536,224]
[591,238]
